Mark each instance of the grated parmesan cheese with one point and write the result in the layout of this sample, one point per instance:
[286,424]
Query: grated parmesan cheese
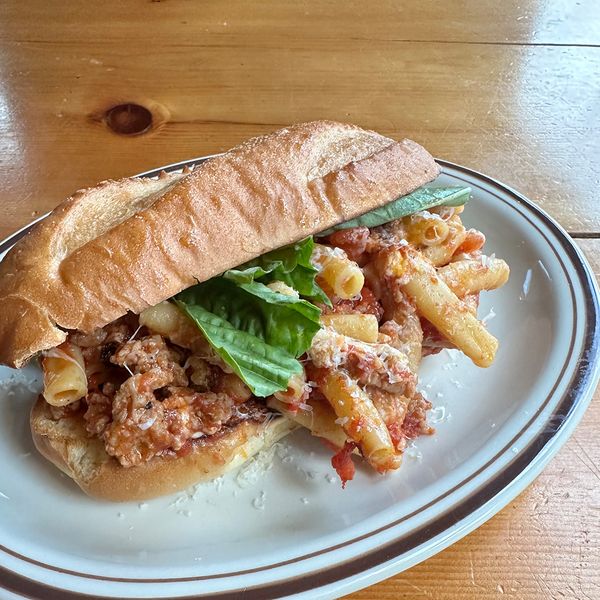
[147,424]
[253,470]
[413,452]
[259,502]
[489,316]
[439,415]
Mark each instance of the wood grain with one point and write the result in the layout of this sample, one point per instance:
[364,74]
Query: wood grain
[509,88]
[281,23]
[523,114]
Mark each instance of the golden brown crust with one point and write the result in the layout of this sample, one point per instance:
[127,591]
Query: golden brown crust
[96,258]
[64,442]
[34,299]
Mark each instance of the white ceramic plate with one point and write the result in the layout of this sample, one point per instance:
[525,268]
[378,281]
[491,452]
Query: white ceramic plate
[284,526]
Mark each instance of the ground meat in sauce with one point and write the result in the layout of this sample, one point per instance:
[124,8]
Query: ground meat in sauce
[98,414]
[366,304]
[64,412]
[391,407]
[384,236]
[142,403]
[151,353]
[249,411]
[391,373]
[116,332]
[342,463]
[143,426]
[405,417]
[433,341]
[352,240]
[415,423]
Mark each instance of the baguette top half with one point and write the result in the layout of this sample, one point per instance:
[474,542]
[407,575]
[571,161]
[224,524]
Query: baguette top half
[129,244]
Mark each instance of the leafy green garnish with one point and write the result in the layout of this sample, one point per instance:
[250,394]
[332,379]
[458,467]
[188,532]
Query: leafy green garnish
[265,369]
[259,333]
[422,198]
[290,264]
[278,320]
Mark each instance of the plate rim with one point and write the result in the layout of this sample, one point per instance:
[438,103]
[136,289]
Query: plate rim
[576,396]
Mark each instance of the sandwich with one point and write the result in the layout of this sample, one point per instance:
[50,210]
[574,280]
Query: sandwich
[185,322]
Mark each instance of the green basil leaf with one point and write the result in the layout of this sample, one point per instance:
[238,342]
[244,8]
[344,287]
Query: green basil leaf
[264,368]
[290,264]
[422,198]
[259,333]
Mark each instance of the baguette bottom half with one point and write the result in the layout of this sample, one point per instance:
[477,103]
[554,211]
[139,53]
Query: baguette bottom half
[65,443]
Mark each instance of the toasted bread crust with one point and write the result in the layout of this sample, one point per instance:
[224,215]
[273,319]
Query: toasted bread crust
[65,443]
[95,258]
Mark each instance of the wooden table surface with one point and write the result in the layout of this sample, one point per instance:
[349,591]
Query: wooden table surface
[510,88]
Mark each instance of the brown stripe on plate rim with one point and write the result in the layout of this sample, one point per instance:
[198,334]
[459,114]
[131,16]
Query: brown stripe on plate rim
[578,385]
